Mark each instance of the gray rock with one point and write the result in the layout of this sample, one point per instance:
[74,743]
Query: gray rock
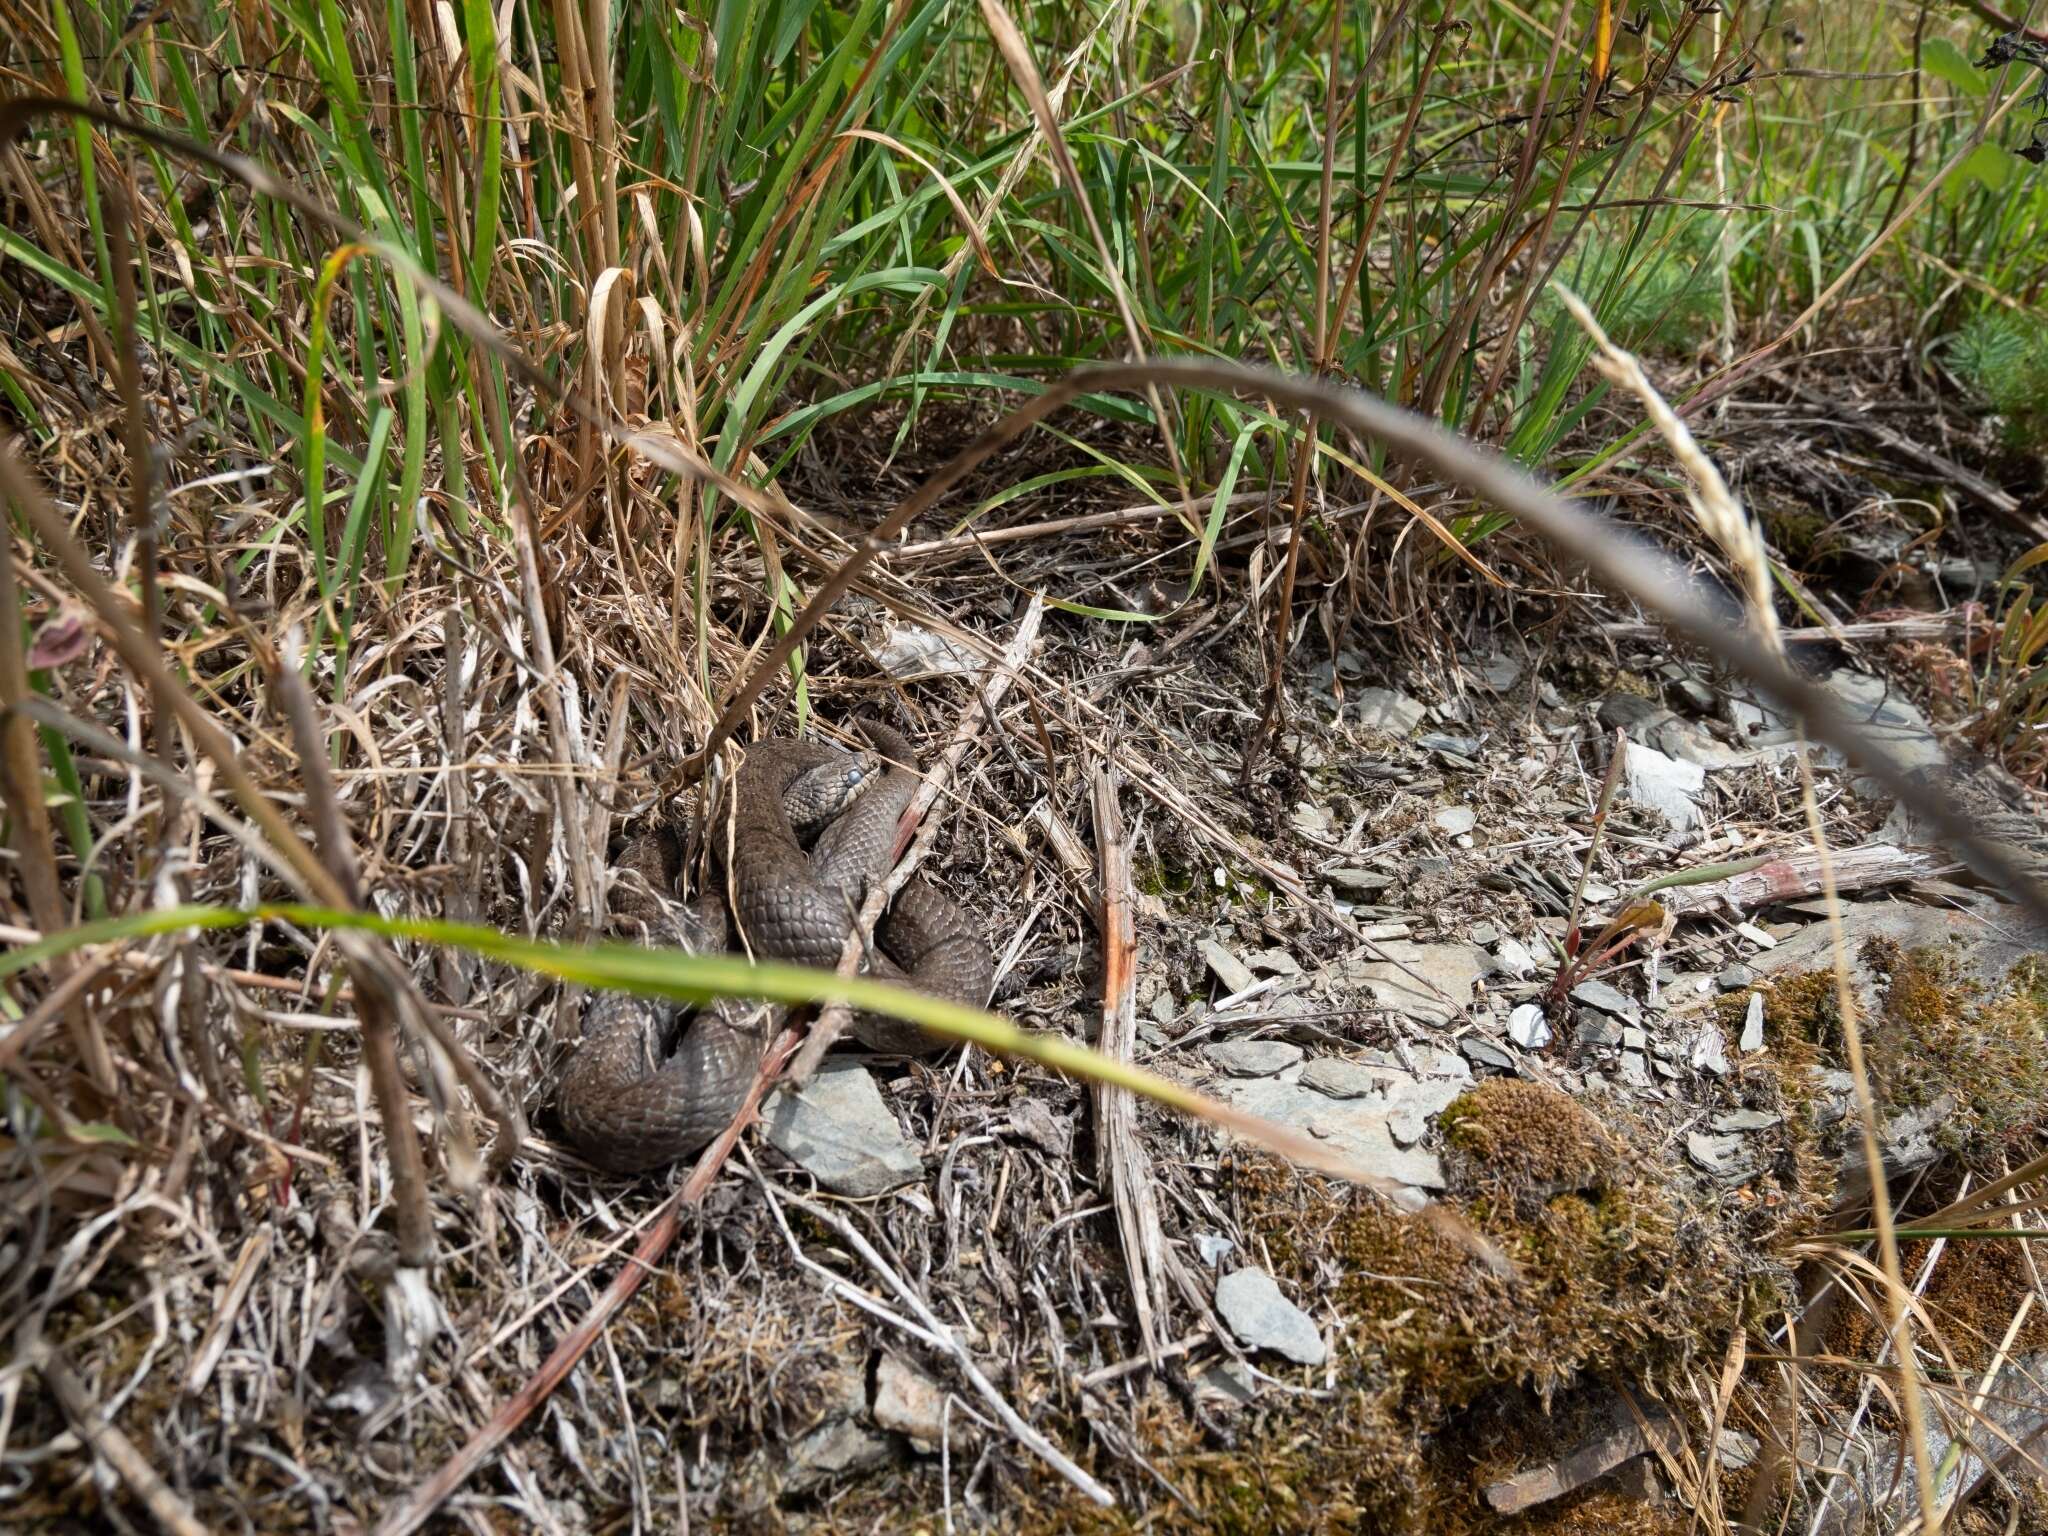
[1631,712]
[1226,1386]
[1382,709]
[1495,673]
[1710,1052]
[1253,1058]
[1453,746]
[1891,718]
[1511,957]
[841,1132]
[1727,1158]
[909,1402]
[1528,1028]
[1357,882]
[1609,1000]
[1690,742]
[1164,1009]
[1407,1125]
[1314,820]
[833,1450]
[1452,969]
[1264,1319]
[1342,1079]
[1634,1039]
[1487,1054]
[1741,1121]
[1662,784]
[1752,1039]
[1212,1248]
[1690,693]
[1735,978]
[1483,933]
[1455,820]
[1838,1090]
[1597,1029]
[1231,971]
[1356,1128]
[1635,1069]
[1272,962]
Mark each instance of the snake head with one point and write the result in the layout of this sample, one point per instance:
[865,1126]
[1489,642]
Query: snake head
[819,795]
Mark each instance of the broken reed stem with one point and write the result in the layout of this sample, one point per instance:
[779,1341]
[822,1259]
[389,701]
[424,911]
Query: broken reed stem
[21,786]
[1120,1160]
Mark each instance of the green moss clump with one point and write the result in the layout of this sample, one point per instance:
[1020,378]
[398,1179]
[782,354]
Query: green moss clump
[1523,1142]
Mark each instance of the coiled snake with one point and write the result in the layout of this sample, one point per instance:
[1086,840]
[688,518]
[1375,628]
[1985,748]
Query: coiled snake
[627,1103]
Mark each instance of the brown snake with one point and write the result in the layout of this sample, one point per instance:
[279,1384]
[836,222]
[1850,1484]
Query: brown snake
[628,1105]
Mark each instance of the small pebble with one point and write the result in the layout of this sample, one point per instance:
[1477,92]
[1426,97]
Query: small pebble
[1735,978]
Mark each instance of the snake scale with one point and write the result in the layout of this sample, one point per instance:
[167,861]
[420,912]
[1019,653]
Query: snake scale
[629,1103]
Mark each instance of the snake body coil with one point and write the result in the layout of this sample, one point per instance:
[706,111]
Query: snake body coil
[630,1105]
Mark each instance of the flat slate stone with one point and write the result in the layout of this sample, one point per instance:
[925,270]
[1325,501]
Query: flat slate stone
[841,1131]
[1253,1058]
[1609,1000]
[1382,709]
[1453,970]
[1264,1319]
[1231,971]
[1355,1128]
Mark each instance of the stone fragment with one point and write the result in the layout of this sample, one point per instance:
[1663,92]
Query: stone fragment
[1512,958]
[1448,973]
[1357,882]
[1528,1028]
[1608,999]
[909,1402]
[1262,1318]
[1742,1121]
[1382,709]
[1228,969]
[1752,1039]
[1710,1051]
[1253,1058]
[1453,820]
[1662,784]
[838,1129]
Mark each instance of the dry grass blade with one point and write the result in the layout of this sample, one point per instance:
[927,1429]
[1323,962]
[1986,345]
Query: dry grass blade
[1120,1160]
[121,1454]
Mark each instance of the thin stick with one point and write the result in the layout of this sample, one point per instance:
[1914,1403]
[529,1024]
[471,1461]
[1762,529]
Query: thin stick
[112,1447]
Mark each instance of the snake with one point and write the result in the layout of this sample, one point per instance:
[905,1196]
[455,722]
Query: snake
[811,828]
